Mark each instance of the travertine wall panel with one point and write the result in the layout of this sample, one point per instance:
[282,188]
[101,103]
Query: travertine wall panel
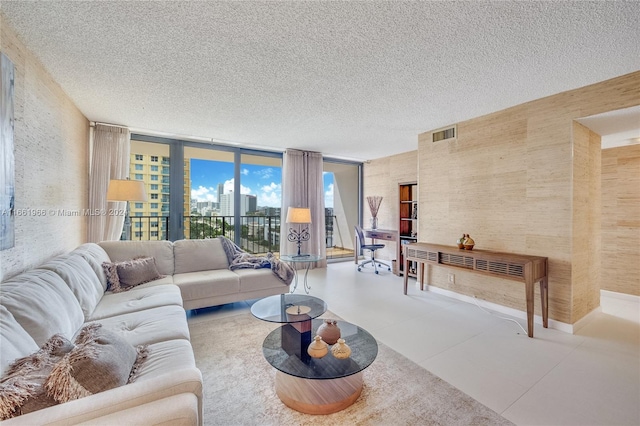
[508,180]
[585,271]
[621,220]
[382,177]
[51,157]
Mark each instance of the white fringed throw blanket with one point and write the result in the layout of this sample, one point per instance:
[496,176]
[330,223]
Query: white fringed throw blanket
[240,259]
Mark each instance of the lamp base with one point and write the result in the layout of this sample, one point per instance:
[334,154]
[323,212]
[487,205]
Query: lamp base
[298,237]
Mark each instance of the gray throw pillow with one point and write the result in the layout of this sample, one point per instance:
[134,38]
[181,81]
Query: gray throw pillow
[122,276]
[22,386]
[101,360]
[111,272]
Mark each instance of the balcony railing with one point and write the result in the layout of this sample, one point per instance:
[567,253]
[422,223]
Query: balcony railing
[259,234]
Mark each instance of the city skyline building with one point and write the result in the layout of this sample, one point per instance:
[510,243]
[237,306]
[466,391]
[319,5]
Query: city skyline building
[248,204]
[150,163]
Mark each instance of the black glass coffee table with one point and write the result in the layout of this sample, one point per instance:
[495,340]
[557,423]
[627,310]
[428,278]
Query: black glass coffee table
[312,385]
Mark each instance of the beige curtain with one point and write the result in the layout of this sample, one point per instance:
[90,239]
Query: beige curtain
[109,160]
[302,186]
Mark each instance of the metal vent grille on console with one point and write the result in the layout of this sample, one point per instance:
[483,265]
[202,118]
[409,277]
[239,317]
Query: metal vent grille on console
[427,255]
[456,260]
[500,268]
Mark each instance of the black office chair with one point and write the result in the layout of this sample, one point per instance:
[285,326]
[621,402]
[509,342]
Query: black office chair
[372,248]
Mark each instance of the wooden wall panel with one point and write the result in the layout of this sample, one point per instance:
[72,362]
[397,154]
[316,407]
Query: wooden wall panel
[508,180]
[621,220]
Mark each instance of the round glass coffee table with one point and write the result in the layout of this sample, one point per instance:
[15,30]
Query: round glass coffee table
[312,385]
[288,308]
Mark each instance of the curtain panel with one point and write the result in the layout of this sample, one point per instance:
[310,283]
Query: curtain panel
[302,186]
[109,160]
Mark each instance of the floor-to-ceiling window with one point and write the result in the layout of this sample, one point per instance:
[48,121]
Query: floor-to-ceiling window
[260,201]
[203,191]
[211,182]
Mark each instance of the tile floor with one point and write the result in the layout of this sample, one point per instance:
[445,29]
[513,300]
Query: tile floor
[590,378]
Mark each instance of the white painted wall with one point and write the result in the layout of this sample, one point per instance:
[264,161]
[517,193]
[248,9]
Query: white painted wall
[51,140]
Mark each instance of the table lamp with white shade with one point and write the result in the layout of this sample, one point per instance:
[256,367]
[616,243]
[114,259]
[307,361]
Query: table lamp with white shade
[126,190]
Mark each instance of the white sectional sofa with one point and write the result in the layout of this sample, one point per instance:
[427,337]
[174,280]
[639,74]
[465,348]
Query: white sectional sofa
[200,268]
[70,291]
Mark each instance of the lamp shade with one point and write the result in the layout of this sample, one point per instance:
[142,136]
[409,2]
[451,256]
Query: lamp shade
[126,190]
[299,215]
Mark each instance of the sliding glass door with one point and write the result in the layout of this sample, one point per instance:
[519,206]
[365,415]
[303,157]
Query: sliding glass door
[342,204]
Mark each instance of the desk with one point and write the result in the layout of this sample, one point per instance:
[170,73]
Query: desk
[517,267]
[374,234]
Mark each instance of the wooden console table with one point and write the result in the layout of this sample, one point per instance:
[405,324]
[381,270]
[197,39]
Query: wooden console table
[517,267]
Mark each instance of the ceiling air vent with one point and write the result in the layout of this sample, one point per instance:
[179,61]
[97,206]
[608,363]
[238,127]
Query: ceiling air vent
[444,134]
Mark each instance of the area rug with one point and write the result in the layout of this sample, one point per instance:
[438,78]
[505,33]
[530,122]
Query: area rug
[239,385]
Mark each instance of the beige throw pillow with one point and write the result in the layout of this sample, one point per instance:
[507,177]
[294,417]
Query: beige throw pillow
[123,276]
[22,386]
[100,361]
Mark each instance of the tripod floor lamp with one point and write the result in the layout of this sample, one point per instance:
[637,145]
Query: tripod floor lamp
[301,216]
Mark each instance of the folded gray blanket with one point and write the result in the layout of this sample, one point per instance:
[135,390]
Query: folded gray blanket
[239,259]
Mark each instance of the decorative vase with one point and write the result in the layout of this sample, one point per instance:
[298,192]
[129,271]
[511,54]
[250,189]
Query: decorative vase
[329,331]
[318,348]
[341,350]
[460,241]
[469,243]
[374,222]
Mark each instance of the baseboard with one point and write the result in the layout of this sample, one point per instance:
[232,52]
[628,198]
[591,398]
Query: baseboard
[585,319]
[622,305]
[537,319]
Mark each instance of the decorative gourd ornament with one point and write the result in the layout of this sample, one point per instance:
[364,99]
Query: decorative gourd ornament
[469,243]
[341,350]
[329,331]
[318,348]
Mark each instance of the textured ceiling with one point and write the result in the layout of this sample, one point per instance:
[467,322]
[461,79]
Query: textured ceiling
[351,79]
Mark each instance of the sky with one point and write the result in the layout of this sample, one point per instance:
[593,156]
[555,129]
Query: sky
[265,182]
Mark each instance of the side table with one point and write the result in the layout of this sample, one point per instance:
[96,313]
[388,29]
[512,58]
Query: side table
[294,260]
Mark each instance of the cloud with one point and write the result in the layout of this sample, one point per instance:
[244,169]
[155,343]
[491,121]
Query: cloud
[203,193]
[266,173]
[270,195]
[228,187]
[244,172]
[328,196]
[272,187]
[269,199]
